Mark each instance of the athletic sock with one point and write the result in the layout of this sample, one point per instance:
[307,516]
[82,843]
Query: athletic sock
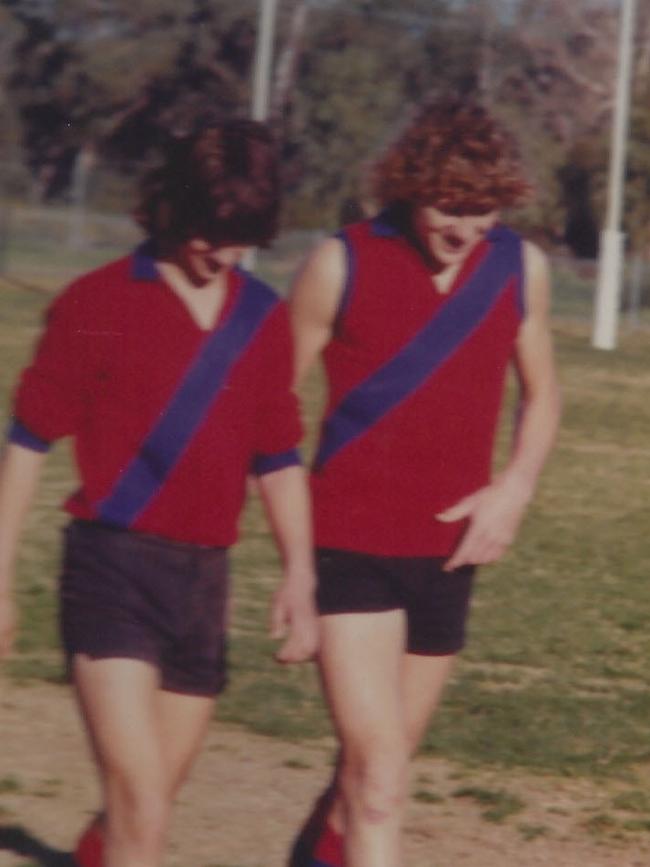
[89,851]
[313,829]
[328,851]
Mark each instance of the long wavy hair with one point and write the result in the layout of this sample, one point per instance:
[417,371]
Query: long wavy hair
[219,183]
[455,156]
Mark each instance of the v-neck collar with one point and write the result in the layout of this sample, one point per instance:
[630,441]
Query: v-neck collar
[387,225]
[144,268]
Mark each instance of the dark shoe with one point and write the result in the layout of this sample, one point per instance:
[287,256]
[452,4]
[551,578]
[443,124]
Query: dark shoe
[302,849]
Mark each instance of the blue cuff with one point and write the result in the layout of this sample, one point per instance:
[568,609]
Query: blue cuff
[263,464]
[21,436]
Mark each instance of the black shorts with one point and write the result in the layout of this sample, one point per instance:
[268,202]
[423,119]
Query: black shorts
[436,603]
[134,596]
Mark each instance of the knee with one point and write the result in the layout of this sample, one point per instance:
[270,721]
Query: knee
[137,813]
[374,781]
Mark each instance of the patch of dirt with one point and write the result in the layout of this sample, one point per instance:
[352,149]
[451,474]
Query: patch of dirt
[248,794]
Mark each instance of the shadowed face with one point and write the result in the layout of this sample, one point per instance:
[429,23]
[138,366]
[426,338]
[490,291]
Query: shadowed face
[201,261]
[449,238]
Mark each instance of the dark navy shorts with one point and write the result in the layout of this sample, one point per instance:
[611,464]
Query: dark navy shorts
[436,603]
[134,596]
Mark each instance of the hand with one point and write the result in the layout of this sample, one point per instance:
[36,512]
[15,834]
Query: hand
[8,620]
[294,619]
[495,513]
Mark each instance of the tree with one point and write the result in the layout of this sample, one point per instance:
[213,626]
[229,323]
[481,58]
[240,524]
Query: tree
[116,78]
[354,83]
[558,85]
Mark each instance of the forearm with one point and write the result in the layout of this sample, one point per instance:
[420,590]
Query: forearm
[535,434]
[20,470]
[286,500]
[293,612]
[539,414]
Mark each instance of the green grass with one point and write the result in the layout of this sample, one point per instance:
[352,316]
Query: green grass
[555,676]
[499,804]
[532,832]
[634,801]
[10,784]
[424,796]
[296,765]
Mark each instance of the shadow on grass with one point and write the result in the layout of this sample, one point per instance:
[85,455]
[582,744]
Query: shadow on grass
[16,839]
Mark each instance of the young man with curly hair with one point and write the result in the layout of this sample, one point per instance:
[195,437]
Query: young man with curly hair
[418,313]
[172,371]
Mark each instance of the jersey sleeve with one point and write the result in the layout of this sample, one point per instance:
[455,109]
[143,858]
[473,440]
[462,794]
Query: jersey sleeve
[51,394]
[279,429]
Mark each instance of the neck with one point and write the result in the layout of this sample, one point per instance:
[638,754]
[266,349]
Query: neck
[184,272]
[186,281]
[404,220]
[203,301]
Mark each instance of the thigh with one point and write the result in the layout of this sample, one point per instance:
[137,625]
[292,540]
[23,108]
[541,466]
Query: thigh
[117,698]
[423,680]
[360,660]
[436,605]
[138,731]
[183,721]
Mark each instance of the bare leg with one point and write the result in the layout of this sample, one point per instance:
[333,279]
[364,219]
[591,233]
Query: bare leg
[422,683]
[183,721]
[361,658]
[143,741]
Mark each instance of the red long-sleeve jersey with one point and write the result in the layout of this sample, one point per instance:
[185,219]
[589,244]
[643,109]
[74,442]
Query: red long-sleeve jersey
[167,419]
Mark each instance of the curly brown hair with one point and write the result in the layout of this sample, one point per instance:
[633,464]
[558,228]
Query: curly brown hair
[454,156]
[220,183]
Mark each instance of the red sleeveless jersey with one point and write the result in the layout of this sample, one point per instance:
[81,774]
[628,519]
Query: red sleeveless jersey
[416,380]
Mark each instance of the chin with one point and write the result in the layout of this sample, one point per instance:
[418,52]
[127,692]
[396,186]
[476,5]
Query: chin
[446,257]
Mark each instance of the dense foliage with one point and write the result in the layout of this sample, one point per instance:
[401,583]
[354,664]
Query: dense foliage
[92,87]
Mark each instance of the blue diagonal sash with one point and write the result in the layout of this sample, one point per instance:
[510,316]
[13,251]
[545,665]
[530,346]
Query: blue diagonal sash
[419,359]
[188,406]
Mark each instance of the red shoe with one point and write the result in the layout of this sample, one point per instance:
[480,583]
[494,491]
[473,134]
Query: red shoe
[89,851]
[328,851]
[314,828]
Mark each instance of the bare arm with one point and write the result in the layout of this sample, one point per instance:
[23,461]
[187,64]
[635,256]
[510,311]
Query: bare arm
[293,613]
[540,394]
[496,511]
[314,300]
[20,470]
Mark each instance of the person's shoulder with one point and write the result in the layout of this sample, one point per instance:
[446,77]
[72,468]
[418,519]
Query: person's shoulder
[331,255]
[122,266]
[324,263]
[257,288]
[261,302]
[506,234]
[533,259]
[534,256]
[358,229]
[89,290]
[376,229]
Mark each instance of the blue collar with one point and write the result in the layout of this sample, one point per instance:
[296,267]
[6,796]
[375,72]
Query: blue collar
[144,262]
[383,227]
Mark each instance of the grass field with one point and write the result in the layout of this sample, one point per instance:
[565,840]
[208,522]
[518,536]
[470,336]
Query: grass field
[555,677]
